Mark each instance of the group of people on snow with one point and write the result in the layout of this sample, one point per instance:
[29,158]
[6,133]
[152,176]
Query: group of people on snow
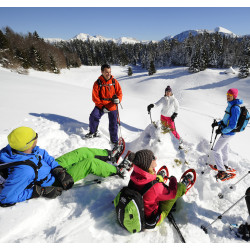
[38,174]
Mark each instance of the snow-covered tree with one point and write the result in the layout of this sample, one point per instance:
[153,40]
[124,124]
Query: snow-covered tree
[130,72]
[151,69]
[244,69]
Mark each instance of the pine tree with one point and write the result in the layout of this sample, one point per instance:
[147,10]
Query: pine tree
[53,67]
[244,69]
[130,72]
[4,44]
[195,64]
[151,69]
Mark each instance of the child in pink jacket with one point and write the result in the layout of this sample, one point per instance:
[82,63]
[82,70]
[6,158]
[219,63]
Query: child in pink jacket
[160,198]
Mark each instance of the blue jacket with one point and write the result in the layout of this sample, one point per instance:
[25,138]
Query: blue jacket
[228,122]
[21,176]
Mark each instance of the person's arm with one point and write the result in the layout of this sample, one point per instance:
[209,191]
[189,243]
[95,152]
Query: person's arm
[15,186]
[118,90]
[95,95]
[165,192]
[235,114]
[158,103]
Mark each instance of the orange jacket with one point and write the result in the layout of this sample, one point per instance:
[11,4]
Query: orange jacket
[106,91]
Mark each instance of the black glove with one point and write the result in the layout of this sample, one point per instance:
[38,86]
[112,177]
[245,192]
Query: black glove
[115,99]
[150,106]
[63,177]
[48,192]
[218,131]
[173,116]
[214,124]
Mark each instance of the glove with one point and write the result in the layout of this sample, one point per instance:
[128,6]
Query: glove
[105,110]
[218,131]
[214,124]
[48,192]
[173,116]
[115,99]
[63,177]
[150,106]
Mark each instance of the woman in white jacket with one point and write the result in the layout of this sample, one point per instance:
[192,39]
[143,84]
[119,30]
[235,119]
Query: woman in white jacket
[170,108]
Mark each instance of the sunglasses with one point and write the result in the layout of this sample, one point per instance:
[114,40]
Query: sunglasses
[154,158]
[33,139]
[229,94]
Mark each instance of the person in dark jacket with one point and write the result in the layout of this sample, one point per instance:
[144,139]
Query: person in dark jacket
[226,127]
[51,176]
[106,95]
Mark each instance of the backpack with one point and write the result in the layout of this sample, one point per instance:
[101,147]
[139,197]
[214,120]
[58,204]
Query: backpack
[243,119]
[130,208]
[103,85]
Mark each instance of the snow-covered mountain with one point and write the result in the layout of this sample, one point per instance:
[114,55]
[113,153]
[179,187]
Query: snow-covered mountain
[129,40]
[183,35]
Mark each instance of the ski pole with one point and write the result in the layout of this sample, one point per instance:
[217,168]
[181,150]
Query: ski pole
[220,216]
[172,220]
[202,172]
[232,186]
[151,119]
[119,120]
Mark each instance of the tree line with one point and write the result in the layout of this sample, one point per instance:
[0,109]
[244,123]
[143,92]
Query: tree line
[206,50]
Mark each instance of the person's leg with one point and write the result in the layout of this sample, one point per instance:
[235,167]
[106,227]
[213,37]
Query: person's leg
[113,126]
[168,122]
[94,119]
[217,151]
[166,206]
[80,154]
[247,198]
[225,151]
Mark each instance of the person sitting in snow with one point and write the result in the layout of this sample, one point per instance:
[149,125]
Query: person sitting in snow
[159,200]
[106,95]
[50,176]
[226,127]
[170,108]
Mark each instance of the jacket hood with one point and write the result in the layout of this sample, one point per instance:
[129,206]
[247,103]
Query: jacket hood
[141,177]
[236,101]
[6,155]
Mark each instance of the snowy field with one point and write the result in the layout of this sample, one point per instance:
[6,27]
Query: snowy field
[57,107]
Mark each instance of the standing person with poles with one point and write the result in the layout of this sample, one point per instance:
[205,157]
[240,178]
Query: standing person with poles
[226,129]
[170,108]
[106,95]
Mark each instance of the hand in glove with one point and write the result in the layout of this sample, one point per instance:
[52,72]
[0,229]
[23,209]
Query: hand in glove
[150,106]
[63,177]
[115,99]
[173,116]
[214,124]
[105,110]
[218,131]
[48,192]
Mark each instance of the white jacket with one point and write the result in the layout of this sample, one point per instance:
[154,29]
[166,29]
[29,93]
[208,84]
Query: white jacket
[170,105]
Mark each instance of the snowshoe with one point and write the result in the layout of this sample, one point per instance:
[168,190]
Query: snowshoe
[228,169]
[118,150]
[126,163]
[188,178]
[92,135]
[224,176]
[163,171]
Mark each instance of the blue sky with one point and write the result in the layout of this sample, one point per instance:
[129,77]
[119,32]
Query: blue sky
[142,23]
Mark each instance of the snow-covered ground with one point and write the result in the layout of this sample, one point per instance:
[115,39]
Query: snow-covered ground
[57,107]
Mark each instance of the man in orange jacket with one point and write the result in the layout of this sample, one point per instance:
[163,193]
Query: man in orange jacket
[106,95]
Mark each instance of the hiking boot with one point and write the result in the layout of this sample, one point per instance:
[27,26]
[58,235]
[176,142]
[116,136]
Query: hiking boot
[221,175]
[126,163]
[117,150]
[228,169]
[92,135]
[187,179]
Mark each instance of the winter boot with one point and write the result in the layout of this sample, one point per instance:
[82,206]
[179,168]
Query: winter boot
[92,135]
[244,231]
[187,179]
[126,163]
[117,150]
[223,176]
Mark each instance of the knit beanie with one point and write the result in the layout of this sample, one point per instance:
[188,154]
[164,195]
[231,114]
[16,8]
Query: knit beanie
[233,92]
[142,158]
[168,89]
[21,138]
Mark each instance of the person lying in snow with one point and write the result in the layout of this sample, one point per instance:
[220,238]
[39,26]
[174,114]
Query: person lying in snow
[50,176]
[159,200]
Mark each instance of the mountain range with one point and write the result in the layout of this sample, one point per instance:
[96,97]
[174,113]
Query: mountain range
[128,40]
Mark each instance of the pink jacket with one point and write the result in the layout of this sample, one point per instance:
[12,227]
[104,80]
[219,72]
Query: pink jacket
[159,192]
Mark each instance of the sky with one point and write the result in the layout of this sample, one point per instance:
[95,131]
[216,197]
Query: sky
[142,23]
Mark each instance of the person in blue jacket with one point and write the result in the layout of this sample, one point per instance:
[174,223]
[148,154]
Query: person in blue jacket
[48,177]
[226,127]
